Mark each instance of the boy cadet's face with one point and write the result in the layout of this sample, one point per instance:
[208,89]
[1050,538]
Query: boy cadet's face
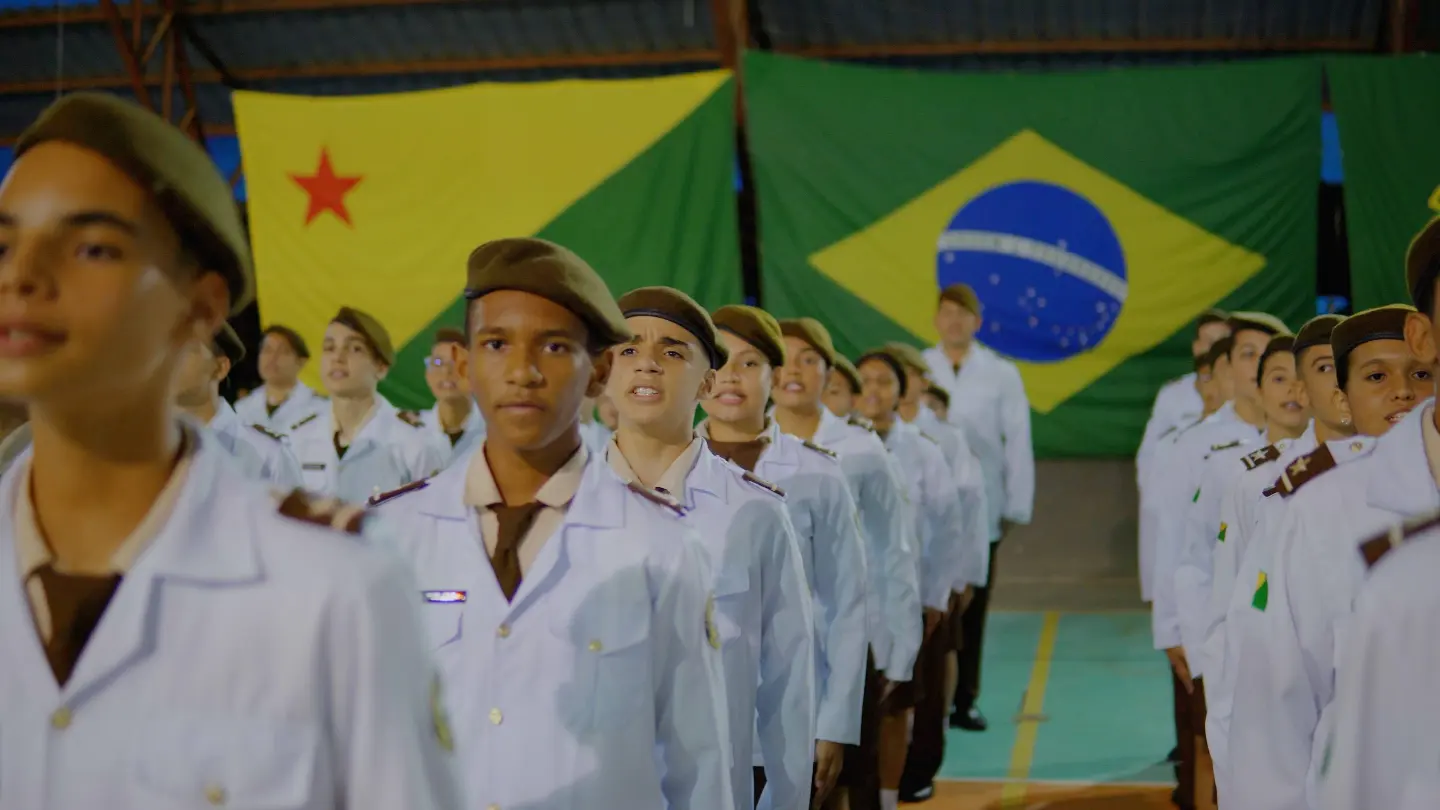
[96,299]
[199,371]
[347,365]
[529,368]
[1386,382]
[1245,362]
[1281,395]
[442,373]
[742,386]
[1207,335]
[800,382]
[660,375]
[839,397]
[1316,366]
[278,361]
[956,324]
[879,390]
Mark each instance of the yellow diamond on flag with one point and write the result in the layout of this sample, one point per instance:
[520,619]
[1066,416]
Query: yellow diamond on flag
[1133,275]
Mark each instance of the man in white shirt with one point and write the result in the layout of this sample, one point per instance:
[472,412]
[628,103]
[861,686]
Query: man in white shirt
[283,400]
[455,421]
[987,399]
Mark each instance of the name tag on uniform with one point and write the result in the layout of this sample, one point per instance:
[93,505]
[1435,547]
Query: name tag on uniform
[444,597]
[313,466]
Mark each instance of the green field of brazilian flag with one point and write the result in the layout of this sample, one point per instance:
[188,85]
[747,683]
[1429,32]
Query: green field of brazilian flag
[1095,213]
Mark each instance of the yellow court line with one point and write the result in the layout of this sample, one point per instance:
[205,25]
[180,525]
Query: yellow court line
[1023,754]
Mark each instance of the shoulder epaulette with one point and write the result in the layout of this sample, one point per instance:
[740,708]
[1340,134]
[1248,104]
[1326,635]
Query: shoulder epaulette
[932,439]
[861,422]
[657,498]
[1167,432]
[307,420]
[264,431]
[762,483]
[381,497]
[328,512]
[1215,448]
[410,418]
[1301,471]
[821,450]
[1374,549]
[1261,457]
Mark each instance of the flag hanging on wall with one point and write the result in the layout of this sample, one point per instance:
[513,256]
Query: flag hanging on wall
[375,202]
[1388,109]
[1096,214]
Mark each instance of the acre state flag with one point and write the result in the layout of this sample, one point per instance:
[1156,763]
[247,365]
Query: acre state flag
[376,202]
[1095,214]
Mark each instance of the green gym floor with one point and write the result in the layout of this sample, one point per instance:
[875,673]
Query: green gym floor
[1080,714]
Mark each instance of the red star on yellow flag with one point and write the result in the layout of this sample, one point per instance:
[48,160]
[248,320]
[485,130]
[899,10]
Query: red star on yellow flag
[327,190]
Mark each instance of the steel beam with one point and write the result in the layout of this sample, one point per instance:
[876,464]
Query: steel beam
[135,71]
[202,8]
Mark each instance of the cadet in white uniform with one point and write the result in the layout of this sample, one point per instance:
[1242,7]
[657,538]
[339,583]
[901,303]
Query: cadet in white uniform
[571,613]
[893,591]
[170,638]
[261,454]
[361,444]
[987,399]
[767,627]
[283,400]
[455,420]
[1285,682]
[823,512]
[842,386]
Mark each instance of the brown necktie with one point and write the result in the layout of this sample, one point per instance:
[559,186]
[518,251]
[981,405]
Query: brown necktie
[76,605]
[514,522]
[744,454]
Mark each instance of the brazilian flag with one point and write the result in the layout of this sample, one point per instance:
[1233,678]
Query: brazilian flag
[1096,214]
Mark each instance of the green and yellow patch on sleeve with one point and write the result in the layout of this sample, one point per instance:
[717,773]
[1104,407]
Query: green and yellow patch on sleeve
[1261,599]
[1221,536]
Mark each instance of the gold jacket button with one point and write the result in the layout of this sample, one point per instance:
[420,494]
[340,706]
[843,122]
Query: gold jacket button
[60,719]
[503,631]
[596,646]
[215,795]
[496,716]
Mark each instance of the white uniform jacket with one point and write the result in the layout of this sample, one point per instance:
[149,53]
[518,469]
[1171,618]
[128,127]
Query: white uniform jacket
[987,398]
[470,437]
[935,511]
[1176,405]
[303,402]
[247,660]
[1284,685]
[263,455]
[388,452]
[892,598]
[970,481]
[597,686]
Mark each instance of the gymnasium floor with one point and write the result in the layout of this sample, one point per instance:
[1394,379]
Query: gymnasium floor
[1079,711]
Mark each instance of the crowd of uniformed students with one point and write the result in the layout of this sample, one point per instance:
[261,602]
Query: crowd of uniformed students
[1289,536]
[553,590]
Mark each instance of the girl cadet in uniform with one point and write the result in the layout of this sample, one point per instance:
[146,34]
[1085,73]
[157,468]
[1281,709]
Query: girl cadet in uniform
[892,598]
[571,613]
[842,386]
[170,637]
[283,400]
[767,632]
[936,525]
[455,420]
[361,445]
[1285,679]
[260,453]
[823,511]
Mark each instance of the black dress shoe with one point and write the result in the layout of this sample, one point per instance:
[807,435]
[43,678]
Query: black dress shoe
[923,794]
[970,720]
[1172,758]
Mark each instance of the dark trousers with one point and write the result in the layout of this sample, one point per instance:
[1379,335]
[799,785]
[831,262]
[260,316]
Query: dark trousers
[972,630]
[860,775]
[1185,733]
[927,737]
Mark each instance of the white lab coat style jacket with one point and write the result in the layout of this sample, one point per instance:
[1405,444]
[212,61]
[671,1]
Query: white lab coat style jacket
[1381,751]
[892,598]
[970,481]
[262,456]
[1149,522]
[597,686]
[302,403]
[934,510]
[833,554]
[1176,405]
[470,437]
[987,398]
[387,453]
[1175,488]
[247,660]
[1284,686]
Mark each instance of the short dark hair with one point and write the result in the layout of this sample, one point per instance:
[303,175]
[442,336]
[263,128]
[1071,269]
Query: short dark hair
[1424,293]
[889,360]
[939,393]
[1208,317]
[1222,348]
[1280,344]
[292,337]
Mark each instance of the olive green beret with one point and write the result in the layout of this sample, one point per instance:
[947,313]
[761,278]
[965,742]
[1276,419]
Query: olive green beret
[908,355]
[1380,323]
[554,273]
[680,309]
[1422,259]
[962,294]
[754,326]
[887,356]
[939,393]
[1316,332]
[848,371]
[227,342]
[812,332]
[369,329]
[1280,344]
[177,172]
[292,337]
[1257,322]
